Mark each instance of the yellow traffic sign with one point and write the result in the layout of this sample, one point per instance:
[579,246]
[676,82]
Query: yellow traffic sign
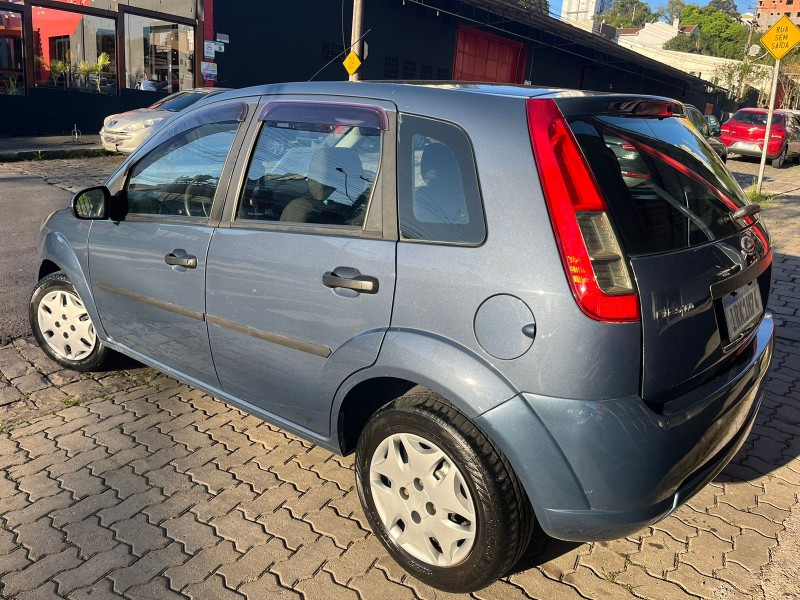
[352,62]
[781,37]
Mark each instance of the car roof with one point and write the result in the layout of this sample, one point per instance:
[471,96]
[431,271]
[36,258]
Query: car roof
[403,92]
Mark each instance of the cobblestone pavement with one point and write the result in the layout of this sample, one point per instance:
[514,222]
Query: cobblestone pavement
[130,484]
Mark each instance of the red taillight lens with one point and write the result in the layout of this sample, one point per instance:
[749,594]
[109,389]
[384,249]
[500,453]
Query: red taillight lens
[593,261]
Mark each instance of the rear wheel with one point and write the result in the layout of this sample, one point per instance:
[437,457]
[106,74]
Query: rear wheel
[778,162]
[440,497]
[62,326]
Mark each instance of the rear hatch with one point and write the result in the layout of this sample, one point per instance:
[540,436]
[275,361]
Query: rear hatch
[702,275]
[749,126]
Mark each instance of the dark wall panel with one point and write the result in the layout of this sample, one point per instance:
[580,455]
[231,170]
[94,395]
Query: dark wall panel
[56,112]
[274,42]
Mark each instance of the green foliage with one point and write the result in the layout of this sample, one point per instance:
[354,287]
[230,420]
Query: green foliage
[629,13]
[720,34]
[538,6]
[56,67]
[71,401]
[672,9]
[726,6]
[684,43]
[756,197]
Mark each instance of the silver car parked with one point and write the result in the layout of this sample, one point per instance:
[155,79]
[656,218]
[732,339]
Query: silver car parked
[125,132]
[462,284]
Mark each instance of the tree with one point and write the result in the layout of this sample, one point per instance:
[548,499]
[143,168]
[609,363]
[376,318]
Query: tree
[629,13]
[537,6]
[726,6]
[684,43]
[672,9]
[720,34]
[737,78]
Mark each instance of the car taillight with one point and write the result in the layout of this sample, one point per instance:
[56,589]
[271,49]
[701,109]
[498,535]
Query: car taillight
[593,259]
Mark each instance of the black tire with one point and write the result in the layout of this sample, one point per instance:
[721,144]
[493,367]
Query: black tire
[777,162]
[99,355]
[504,519]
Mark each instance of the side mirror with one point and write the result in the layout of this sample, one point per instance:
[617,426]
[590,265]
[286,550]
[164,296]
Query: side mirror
[91,203]
[716,131]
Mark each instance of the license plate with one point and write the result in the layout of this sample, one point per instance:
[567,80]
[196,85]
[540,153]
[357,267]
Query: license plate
[742,308]
[747,146]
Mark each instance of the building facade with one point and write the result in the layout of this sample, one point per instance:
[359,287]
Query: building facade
[769,11]
[71,63]
[62,62]
[575,10]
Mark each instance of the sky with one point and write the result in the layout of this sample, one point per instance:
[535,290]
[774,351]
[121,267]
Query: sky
[742,5]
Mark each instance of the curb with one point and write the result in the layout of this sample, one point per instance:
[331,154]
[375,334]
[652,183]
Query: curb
[53,154]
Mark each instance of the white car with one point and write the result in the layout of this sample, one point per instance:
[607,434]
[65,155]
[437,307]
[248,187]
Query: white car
[126,131]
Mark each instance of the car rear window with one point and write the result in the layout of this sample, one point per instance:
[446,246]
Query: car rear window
[665,187]
[756,118]
[179,101]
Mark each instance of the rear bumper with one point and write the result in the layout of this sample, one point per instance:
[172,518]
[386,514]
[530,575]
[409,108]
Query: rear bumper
[754,149]
[603,470]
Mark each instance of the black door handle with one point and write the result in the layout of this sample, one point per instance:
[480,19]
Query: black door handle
[360,283]
[181,260]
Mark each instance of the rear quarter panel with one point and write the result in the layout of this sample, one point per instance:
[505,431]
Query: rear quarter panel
[440,287]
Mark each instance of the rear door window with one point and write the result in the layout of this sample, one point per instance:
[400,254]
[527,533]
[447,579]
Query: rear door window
[665,187]
[438,193]
[313,163]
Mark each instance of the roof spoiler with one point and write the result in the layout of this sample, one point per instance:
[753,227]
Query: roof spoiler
[621,106]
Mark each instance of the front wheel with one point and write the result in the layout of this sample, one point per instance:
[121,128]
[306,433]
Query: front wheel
[441,498]
[62,326]
[778,162]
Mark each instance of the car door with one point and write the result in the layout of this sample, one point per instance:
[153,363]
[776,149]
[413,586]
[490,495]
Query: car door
[793,134]
[301,271]
[148,268]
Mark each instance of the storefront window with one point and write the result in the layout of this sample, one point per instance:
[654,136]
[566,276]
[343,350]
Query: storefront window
[179,8]
[159,55]
[11,74]
[74,51]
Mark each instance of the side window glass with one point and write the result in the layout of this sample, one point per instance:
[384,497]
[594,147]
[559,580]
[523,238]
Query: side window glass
[439,198]
[180,177]
[313,163]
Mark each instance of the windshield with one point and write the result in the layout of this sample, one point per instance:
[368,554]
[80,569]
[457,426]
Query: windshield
[179,101]
[666,189]
[756,118]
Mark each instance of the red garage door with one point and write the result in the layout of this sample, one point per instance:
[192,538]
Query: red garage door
[482,56]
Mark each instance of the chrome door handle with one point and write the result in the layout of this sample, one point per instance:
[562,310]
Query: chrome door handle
[360,283]
[181,260]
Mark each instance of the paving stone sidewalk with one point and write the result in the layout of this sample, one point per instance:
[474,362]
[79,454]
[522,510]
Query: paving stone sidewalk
[128,484]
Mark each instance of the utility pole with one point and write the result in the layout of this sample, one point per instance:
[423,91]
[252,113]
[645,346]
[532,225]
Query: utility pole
[355,35]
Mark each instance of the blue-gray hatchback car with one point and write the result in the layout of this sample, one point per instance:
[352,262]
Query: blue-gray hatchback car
[471,286]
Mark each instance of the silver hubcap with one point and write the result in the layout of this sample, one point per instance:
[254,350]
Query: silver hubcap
[422,499]
[66,326]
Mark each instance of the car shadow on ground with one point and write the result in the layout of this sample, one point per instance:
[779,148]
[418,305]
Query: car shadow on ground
[542,549]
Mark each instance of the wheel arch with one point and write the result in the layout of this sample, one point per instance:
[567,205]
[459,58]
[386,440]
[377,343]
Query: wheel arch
[410,359]
[57,254]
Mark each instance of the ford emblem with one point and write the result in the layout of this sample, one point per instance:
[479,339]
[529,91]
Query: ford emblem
[748,244]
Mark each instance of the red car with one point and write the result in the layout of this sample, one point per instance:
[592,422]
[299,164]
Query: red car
[744,132]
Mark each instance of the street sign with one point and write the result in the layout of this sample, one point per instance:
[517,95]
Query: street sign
[781,37]
[352,62]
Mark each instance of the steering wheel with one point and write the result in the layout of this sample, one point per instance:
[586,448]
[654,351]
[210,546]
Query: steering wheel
[187,196]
